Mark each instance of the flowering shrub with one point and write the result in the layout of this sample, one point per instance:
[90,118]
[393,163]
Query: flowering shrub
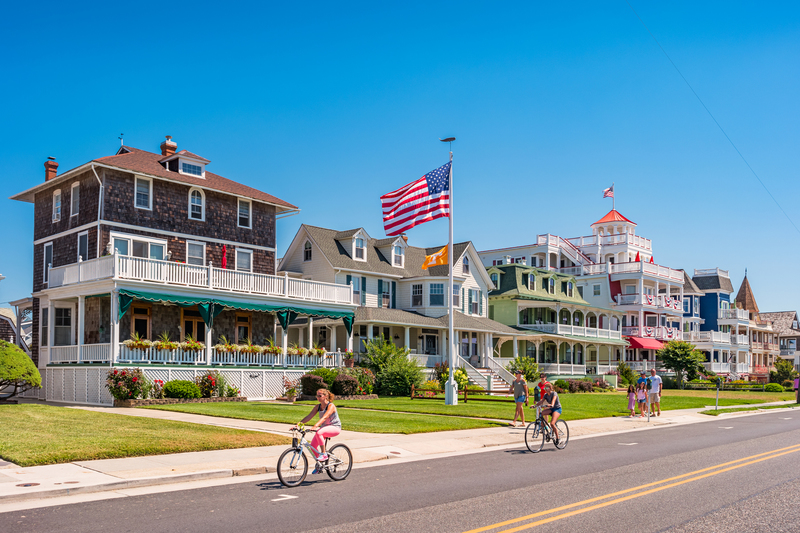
[126,384]
[365,377]
[212,383]
[157,389]
[347,355]
[290,386]
[224,345]
[232,392]
[431,384]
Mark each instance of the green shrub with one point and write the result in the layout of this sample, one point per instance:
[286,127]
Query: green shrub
[788,385]
[365,377]
[669,383]
[180,388]
[773,387]
[626,374]
[381,352]
[127,384]
[461,377]
[397,377]
[17,369]
[527,365]
[311,383]
[327,375]
[231,391]
[345,385]
[562,384]
[211,383]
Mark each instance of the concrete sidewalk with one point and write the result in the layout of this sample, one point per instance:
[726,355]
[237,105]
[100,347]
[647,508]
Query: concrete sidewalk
[18,484]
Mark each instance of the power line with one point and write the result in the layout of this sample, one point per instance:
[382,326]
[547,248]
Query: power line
[712,117]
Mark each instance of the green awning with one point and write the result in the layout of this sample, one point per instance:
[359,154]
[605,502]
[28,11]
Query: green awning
[209,308]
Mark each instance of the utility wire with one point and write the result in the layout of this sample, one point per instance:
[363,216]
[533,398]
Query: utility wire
[712,117]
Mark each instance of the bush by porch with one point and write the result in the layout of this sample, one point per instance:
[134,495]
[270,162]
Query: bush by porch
[42,434]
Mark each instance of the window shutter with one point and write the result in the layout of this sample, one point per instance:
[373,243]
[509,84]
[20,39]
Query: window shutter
[480,303]
[394,295]
[462,299]
[363,290]
[380,293]
[469,307]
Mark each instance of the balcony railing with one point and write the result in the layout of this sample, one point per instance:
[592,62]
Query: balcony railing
[650,269]
[616,238]
[787,353]
[733,314]
[659,332]
[566,329]
[719,368]
[663,302]
[738,339]
[562,368]
[170,273]
[87,353]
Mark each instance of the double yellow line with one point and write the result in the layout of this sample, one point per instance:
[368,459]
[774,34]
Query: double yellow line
[641,490]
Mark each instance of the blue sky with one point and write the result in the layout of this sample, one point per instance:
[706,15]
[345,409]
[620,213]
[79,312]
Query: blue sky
[329,106]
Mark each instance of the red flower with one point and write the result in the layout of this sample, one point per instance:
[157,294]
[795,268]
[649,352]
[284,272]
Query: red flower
[134,379]
[119,384]
[115,372]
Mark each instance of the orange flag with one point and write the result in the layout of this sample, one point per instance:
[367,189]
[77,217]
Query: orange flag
[439,258]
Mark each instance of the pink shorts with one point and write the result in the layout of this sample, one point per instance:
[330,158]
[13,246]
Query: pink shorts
[323,433]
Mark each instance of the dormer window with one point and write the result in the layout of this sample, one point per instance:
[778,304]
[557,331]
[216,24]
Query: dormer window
[197,205]
[570,287]
[360,252]
[397,256]
[496,279]
[466,265]
[532,282]
[307,251]
[552,286]
[194,170]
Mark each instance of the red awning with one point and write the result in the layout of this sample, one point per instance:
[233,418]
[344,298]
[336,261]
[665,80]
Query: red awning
[645,344]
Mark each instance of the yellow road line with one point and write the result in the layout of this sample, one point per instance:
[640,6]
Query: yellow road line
[771,454]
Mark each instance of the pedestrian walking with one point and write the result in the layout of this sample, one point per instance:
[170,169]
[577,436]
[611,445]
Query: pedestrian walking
[520,389]
[632,400]
[641,399]
[541,387]
[656,385]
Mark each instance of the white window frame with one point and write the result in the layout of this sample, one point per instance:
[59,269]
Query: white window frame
[456,295]
[596,289]
[249,213]
[551,286]
[387,291]
[201,166]
[236,259]
[78,251]
[396,255]
[532,282]
[199,244]
[495,277]
[421,295]
[45,278]
[476,306]
[308,247]
[202,204]
[430,293]
[497,262]
[130,238]
[357,247]
[570,288]
[465,265]
[57,212]
[149,193]
[72,208]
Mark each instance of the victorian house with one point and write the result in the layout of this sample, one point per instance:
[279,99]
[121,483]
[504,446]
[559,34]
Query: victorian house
[785,323]
[140,246]
[763,338]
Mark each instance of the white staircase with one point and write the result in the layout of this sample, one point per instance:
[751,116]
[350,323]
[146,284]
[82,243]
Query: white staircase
[491,380]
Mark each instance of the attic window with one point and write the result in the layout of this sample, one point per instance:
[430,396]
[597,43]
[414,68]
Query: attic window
[360,251]
[496,280]
[307,251]
[466,265]
[397,256]
[194,170]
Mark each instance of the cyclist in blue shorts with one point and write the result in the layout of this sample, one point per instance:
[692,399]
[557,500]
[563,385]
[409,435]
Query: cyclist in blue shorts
[552,407]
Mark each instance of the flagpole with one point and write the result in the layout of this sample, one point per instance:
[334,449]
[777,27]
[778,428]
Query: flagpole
[451,392]
[613,197]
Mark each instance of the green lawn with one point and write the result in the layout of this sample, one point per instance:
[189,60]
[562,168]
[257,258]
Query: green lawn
[352,419]
[713,412]
[576,406]
[41,434]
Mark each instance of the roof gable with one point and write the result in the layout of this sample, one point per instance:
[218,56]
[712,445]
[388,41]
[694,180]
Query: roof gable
[782,322]
[746,298]
[613,216]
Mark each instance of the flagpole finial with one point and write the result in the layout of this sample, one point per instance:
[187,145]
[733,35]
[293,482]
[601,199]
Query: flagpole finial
[449,140]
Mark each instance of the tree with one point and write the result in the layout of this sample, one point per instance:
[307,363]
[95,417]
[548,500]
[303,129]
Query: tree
[626,374]
[682,358]
[784,370]
[381,351]
[16,370]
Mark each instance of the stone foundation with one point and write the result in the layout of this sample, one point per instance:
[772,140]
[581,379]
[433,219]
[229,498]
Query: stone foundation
[171,401]
[304,397]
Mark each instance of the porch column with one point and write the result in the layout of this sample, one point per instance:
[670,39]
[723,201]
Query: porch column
[641,322]
[114,324]
[641,290]
[547,259]
[51,323]
[81,322]
[310,332]
[572,358]
[350,339]
[334,340]
[209,349]
[516,347]
[284,344]
[407,337]
[369,332]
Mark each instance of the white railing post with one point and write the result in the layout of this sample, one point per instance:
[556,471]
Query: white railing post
[210,275]
[81,322]
[286,284]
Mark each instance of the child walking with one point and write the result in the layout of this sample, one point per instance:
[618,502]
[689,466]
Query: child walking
[632,400]
[641,398]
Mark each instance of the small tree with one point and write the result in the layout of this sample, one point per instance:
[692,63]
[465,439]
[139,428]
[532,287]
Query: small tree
[527,365]
[626,374]
[683,359]
[16,370]
[381,351]
[784,370]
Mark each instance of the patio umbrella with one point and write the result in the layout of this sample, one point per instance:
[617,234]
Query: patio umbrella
[224,256]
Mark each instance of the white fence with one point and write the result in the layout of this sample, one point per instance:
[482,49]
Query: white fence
[562,368]
[733,314]
[170,273]
[566,329]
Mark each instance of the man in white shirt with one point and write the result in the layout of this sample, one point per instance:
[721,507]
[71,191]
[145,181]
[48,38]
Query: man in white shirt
[655,392]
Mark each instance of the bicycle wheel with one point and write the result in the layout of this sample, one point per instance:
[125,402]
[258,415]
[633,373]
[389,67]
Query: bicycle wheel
[534,437]
[340,462]
[563,434]
[292,467]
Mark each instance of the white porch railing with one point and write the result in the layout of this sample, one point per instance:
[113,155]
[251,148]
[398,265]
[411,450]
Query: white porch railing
[64,354]
[741,368]
[152,355]
[738,339]
[329,360]
[96,353]
[244,358]
[733,314]
[714,336]
[650,269]
[501,371]
[562,368]
[719,368]
[88,353]
[566,329]
[167,272]
[787,353]
[644,366]
[616,238]
[427,360]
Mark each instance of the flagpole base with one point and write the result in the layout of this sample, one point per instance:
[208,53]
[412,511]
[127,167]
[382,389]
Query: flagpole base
[451,392]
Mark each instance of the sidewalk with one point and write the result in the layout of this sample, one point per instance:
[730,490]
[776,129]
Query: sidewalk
[18,484]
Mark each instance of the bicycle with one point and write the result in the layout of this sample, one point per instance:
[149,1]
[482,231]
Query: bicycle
[539,432]
[293,463]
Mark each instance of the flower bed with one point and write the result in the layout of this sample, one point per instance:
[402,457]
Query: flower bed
[306,398]
[170,401]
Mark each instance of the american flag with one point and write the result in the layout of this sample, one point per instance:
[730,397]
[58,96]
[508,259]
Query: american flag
[608,193]
[423,200]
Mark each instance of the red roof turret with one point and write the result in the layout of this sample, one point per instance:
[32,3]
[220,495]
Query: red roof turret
[613,216]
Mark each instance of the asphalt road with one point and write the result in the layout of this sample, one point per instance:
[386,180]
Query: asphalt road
[732,474]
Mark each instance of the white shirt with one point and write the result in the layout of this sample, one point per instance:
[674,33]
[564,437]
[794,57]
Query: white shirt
[655,381]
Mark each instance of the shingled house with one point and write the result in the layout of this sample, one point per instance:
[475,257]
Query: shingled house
[785,323]
[763,338]
[144,244]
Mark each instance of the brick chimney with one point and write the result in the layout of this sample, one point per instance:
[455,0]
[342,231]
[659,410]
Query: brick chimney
[168,147]
[405,237]
[50,168]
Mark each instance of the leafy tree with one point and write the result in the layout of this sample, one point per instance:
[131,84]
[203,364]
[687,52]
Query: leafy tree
[683,359]
[626,374]
[382,351]
[784,370]
[16,370]
[527,365]
[394,371]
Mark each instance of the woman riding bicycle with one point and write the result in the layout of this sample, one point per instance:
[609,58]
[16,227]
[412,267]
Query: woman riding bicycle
[552,407]
[327,426]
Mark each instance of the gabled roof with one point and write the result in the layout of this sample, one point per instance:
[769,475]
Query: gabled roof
[781,322]
[713,283]
[410,318]
[338,255]
[8,314]
[689,286]
[746,298]
[511,284]
[135,160]
[613,216]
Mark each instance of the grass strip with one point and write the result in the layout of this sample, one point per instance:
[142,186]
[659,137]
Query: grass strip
[378,421]
[717,412]
[43,434]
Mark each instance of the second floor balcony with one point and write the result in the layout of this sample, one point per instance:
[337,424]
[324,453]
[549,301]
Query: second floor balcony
[672,303]
[566,329]
[124,267]
[741,315]
[653,332]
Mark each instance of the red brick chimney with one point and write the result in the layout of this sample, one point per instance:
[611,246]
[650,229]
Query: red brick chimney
[168,147]
[405,237]
[50,168]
